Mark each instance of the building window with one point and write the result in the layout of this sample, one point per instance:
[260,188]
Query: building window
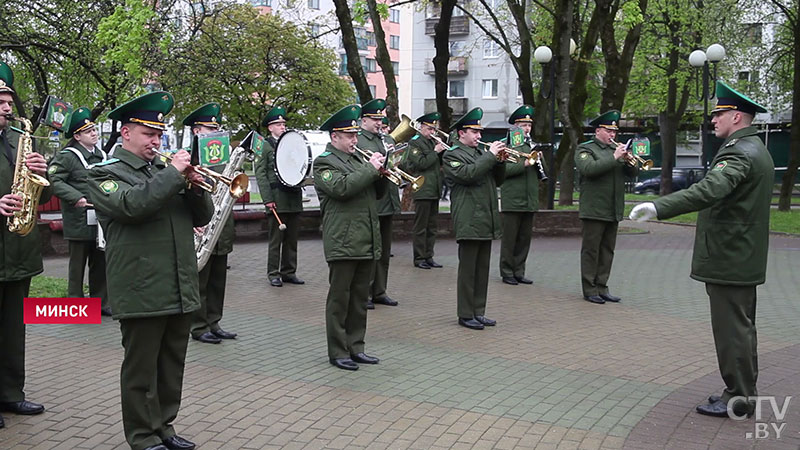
[752,34]
[458,12]
[372,89]
[343,65]
[313,4]
[314,30]
[456,48]
[395,67]
[491,49]
[261,2]
[394,42]
[519,88]
[455,88]
[744,76]
[489,88]
[748,76]
[394,15]
[371,65]
[371,39]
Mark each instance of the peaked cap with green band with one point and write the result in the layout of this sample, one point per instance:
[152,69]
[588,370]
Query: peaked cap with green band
[6,78]
[608,120]
[274,115]
[374,108]
[80,120]
[430,119]
[345,120]
[729,99]
[148,110]
[472,119]
[522,114]
[206,115]
[385,120]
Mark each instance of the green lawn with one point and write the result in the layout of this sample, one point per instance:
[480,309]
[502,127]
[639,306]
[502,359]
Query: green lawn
[42,286]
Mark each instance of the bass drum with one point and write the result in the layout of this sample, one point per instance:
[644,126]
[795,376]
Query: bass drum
[295,153]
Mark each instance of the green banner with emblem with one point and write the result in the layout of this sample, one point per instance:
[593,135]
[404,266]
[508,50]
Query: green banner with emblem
[55,113]
[516,136]
[254,142]
[641,146]
[214,148]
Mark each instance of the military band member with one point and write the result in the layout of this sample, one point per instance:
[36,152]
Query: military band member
[22,259]
[475,175]
[347,186]
[68,171]
[603,167]
[213,277]
[424,158]
[519,199]
[731,243]
[148,214]
[287,201]
[371,137]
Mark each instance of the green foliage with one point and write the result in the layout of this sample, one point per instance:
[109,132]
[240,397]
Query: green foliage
[360,11]
[630,14]
[124,36]
[48,287]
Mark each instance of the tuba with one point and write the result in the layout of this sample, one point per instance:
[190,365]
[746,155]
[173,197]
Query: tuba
[26,184]
[223,200]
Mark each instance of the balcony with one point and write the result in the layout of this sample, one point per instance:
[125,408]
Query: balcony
[456,66]
[459,26]
[458,105]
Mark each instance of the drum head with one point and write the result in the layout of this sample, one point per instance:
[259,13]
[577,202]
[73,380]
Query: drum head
[292,158]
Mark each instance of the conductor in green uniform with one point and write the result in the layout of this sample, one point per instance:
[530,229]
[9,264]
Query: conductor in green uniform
[519,199]
[213,276]
[68,172]
[22,259]
[731,243]
[475,175]
[603,167]
[346,185]
[371,138]
[285,200]
[148,214]
[424,158]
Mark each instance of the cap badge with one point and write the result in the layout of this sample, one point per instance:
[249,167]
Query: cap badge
[354,123]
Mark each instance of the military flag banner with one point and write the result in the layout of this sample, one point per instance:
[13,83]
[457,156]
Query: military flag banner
[214,148]
[55,113]
[641,146]
[254,142]
[516,136]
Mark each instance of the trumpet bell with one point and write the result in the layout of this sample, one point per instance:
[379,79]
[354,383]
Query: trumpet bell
[239,185]
[648,164]
[404,131]
[417,183]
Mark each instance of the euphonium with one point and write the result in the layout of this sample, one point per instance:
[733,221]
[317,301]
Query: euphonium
[26,184]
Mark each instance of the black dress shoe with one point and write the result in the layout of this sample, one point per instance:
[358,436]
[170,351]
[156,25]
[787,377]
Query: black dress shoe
[714,398]
[276,282]
[717,409]
[434,264]
[370,305]
[222,334]
[486,321]
[344,363]
[524,280]
[422,265]
[610,298]
[24,408]
[178,443]
[385,300]
[207,338]
[157,447]
[364,358]
[470,323]
[293,279]
[2,423]
[595,299]
[106,311]
[510,280]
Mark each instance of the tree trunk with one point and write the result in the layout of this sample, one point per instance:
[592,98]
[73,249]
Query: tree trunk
[385,62]
[562,33]
[441,40]
[618,66]
[354,68]
[667,129]
[787,182]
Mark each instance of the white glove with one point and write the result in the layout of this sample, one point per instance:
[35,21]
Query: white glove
[643,212]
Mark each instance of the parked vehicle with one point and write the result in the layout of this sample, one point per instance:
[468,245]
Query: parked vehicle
[682,177]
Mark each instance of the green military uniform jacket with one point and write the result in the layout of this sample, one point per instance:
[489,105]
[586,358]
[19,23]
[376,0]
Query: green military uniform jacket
[423,160]
[147,215]
[69,178]
[346,186]
[389,200]
[22,255]
[520,190]
[475,175]
[287,199]
[732,236]
[602,181]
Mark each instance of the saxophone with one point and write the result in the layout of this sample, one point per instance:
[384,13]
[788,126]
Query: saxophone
[223,200]
[26,184]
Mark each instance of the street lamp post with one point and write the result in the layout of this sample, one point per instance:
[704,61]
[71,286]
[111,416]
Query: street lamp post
[543,55]
[698,58]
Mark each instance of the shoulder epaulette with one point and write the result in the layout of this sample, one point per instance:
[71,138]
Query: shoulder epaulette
[587,142]
[106,162]
[453,147]
[324,154]
[732,143]
[416,136]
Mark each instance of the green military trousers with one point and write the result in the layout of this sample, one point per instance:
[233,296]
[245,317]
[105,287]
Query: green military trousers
[597,255]
[213,278]
[151,379]
[733,322]
[12,340]
[282,256]
[381,276]
[426,218]
[473,277]
[79,253]
[346,309]
[516,243]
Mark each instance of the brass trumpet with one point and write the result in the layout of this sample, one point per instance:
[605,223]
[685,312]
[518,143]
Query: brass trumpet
[635,160]
[237,186]
[396,175]
[407,124]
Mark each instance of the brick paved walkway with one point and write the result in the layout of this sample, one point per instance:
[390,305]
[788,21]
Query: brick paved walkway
[557,372]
